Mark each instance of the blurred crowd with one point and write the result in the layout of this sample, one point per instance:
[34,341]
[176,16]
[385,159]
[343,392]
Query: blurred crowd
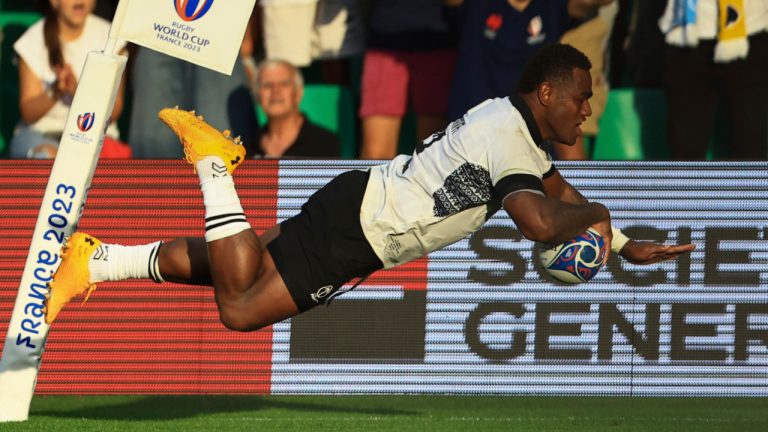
[409,67]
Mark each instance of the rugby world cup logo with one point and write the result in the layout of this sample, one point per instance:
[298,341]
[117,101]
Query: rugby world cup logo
[191,10]
[85,121]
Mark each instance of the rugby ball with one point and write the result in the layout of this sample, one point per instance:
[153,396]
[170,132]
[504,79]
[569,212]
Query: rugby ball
[577,260]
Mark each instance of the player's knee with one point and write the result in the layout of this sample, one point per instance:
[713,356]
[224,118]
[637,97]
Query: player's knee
[237,320]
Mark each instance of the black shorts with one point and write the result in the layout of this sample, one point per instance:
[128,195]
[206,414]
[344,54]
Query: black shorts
[323,247]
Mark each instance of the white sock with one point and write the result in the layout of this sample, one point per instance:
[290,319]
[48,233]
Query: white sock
[211,167]
[224,215]
[112,262]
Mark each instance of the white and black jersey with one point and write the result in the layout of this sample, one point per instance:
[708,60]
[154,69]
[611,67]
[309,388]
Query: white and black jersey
[454,181]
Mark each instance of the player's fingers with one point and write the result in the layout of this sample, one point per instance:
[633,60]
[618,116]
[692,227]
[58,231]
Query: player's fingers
[669,253]
[682,248]
[676,251]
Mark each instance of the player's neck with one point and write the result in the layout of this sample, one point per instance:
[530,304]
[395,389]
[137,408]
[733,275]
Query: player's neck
[537,110]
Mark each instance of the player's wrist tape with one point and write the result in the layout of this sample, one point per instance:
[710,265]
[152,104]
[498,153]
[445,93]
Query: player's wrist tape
[619,240]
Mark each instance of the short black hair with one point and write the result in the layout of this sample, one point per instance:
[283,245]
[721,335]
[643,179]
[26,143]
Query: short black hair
[553,63]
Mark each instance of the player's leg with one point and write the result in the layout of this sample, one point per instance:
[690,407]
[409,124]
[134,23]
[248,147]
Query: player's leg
[185,261]
[85,261]
[249,291]
[88,261]
[182,260]
[299,264]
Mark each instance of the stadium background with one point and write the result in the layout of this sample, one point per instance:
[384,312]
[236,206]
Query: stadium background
[475,318]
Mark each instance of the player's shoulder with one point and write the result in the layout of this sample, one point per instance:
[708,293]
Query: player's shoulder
[498,106]
[495,112]
[493,118]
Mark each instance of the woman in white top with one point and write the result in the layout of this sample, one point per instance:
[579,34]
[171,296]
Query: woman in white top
[51,54]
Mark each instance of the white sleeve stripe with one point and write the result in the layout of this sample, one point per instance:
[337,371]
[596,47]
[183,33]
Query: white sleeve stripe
[537,192]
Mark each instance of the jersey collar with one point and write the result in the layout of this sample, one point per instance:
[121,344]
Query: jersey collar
[533,128]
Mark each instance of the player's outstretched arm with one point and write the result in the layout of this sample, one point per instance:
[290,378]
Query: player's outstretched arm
[644,252]
[556,187]
[636,252]
[551,221]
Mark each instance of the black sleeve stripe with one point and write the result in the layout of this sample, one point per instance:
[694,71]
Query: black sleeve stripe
[515,182]
[550,171]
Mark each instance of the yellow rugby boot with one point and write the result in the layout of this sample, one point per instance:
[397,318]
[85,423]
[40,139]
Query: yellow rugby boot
[72,278]
[201,139]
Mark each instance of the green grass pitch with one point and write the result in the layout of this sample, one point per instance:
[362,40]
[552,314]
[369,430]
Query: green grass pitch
[391,413]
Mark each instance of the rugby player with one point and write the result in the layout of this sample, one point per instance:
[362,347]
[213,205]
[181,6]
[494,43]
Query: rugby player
[362,221]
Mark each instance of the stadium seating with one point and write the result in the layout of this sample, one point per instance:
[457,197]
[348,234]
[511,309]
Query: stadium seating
[18,5]
[331,107]
[13,25]
[633,126]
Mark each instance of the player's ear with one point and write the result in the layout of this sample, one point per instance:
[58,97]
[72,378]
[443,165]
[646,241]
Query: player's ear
[544,93]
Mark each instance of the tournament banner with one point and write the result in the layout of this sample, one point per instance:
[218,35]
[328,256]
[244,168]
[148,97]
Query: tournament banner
[478,317]
[207,33]
[483,318]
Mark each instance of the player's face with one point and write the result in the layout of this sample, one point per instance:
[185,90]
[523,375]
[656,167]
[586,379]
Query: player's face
[278,93]
[570,107]
[73,12]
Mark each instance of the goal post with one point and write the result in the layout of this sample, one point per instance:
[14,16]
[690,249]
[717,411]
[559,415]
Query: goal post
[61,207]
[189,30]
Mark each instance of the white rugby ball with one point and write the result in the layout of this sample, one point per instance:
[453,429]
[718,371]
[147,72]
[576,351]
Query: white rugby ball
[577,260]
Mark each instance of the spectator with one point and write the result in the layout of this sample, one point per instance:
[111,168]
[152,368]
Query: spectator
[300,31]
[410,58]
[591,37]
[645,45]
[51,55]
[288,133]
[716,51]
[499,36]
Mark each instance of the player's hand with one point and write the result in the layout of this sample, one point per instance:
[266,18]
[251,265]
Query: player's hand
[643,252]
